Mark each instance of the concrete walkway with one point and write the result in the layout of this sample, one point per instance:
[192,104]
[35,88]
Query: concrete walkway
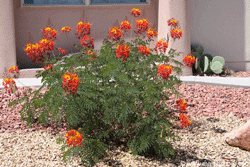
[243,82]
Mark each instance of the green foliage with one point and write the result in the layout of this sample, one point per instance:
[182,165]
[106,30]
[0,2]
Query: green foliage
[110,101]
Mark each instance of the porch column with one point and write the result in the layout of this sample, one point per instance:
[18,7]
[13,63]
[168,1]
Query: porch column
[7,34]
[178,9]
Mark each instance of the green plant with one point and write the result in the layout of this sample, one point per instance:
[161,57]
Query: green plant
[112,94]
[205,63]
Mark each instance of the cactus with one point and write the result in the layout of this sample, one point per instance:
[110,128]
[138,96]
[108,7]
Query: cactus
[220,59]
[193,48]
[200,50]
[209,56]
[196,54]
[204,63]
[216,67]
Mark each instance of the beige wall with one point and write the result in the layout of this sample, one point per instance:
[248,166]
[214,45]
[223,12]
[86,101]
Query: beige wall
[222,27]
[34,19]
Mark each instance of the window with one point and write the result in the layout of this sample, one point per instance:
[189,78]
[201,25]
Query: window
[53,2]
[81,2]
[94,2]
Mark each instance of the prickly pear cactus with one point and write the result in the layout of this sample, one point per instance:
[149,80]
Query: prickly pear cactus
[200,49]
[216,67]
[220,59]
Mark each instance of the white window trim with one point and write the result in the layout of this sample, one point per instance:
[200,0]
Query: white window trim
[86,4]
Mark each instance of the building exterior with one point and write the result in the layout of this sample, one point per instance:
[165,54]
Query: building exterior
[221,28]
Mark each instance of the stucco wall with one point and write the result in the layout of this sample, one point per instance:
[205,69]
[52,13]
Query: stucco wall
[34,19]
[222,28]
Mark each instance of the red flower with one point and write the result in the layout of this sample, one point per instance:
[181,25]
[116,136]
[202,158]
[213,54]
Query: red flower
[9,85]
[83,29]
[184,121]
[92,53]
[88,42]
[189,60]
[49,33]
[13,70]
[164,71]
[135,12]
[172,22]
[151,33]
[66,29]
[141,25]
[144,50]
[161,46]
[62,51]
[70,83]
[73,138]
[125,25]
[182,105]
[115,33]
[122,51]
[176,33]
[48,67]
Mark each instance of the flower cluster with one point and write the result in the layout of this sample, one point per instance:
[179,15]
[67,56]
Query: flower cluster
[66,29]
[122,51]
[82,29]
[164,71]
[62,51]
[135,12]
[13,70]
[48,67]
[115,33]
[172,22]
[189,60]
[144,50]
[92,53]
[70,82]
[125,25]
[151,33]
[9,85]
[87,41]
[181,105]
[141,25]
[73,138]
[184,121]
[49,33]
[161,46]
[36,51]
[176,33]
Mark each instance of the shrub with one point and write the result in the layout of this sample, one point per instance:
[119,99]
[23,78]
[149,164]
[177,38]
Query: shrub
[110,95]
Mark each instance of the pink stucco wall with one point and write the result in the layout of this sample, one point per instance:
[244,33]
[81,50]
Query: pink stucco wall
[34,19]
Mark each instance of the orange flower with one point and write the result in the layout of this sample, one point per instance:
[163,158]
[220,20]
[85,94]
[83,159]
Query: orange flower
[36,51]
[135,12]
[161,46]
[9,84]
[141,25]
[164,71]
[66,29]
[48,67]
[83,29]
[115,33]
[122,51]
[13,70]
[62,51]
[73,138]
[70,83]
[151,33]
[92,53]
[172,22]
[176,33]
[49,33]
[144,50]
[184,121]
[189,60]
[125,25]
[182,105]
[88,42]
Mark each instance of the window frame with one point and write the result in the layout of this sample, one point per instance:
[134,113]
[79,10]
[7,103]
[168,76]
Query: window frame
[86,3]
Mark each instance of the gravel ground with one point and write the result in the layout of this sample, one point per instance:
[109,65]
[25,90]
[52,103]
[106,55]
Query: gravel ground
[212,110]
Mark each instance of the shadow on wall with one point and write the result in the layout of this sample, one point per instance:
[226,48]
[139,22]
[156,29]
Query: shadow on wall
[220,28]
